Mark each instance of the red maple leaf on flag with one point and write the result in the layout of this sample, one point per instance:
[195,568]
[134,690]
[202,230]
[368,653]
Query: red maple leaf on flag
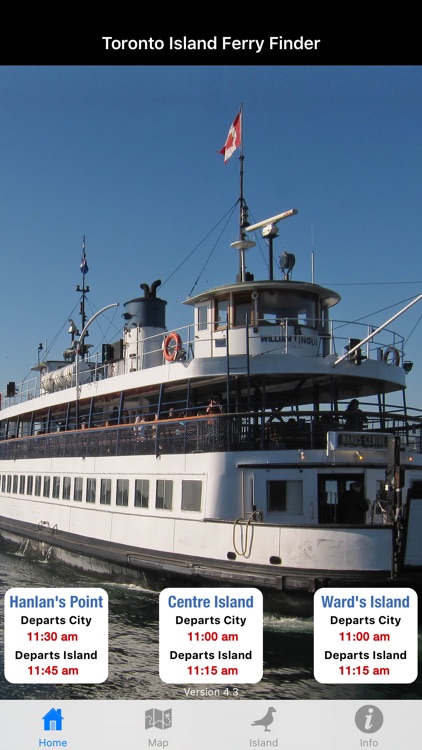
[234,138]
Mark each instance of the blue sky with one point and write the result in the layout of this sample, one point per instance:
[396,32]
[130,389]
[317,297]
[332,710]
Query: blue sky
[127,156]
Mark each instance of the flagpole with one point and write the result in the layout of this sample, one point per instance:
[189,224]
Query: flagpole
[242,205]
[243,212]
[234,140]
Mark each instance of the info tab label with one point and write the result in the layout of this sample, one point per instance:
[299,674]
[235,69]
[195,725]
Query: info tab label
[211,635]
[366,635]
[56,635]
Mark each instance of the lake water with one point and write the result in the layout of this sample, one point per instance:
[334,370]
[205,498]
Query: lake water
[134,649]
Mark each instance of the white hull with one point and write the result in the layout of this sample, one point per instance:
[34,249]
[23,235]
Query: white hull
[161,546]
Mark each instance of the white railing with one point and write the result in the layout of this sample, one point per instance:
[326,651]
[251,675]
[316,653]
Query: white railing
[336,341]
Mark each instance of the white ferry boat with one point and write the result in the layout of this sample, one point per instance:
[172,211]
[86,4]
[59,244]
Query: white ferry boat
[228,452]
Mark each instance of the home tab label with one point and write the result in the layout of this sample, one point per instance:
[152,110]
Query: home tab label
[211,635]
[56,635]
[366,635]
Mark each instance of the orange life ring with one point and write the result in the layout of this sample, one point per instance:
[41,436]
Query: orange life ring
[172,346]
[392,356]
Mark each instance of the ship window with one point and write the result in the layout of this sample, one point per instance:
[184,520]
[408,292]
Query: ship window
[15,483]
[22,484]
[46,487]
[30,485]
[221,313]
[105,492]
[122,492]
[66,488]
[285,496]
[202,317]
[56,487]
[191,494]
[11,432]
[164,496]
[9,483]
[3,483]
[91,488]
[277,307]
[37,491]
[141,493]
[242,310]
[77,489]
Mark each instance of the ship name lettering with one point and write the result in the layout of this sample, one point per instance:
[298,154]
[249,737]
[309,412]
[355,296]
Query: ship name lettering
[361,440]
[304,340]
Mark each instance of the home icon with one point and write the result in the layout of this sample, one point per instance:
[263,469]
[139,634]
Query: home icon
[53,720]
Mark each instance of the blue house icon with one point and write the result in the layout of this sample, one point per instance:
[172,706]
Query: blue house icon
[53,720]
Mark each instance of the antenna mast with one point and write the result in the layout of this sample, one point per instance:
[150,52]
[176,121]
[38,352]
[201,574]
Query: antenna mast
[84,291]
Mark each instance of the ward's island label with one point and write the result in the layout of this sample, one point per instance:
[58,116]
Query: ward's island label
[366,635]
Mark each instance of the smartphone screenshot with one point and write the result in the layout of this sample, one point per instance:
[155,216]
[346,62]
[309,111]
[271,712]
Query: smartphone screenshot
[211,417]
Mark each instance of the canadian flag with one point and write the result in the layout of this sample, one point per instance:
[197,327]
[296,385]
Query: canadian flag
[234,138]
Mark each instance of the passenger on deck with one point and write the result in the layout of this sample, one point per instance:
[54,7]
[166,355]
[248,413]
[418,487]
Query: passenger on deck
[139,428]
[213,407]
[354,419]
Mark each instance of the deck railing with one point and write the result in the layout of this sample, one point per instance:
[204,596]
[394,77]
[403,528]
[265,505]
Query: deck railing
[336,341]
[225,433]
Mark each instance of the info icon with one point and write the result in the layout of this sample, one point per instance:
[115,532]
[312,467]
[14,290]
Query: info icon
[369,719]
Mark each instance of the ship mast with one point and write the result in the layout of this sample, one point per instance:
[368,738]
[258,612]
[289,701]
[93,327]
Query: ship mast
[243,209]
[84,291]
[242,244]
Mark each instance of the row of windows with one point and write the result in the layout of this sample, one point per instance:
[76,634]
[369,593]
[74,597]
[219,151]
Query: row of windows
[68,488]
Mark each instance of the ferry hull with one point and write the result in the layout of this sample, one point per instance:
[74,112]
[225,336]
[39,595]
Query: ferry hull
[287,591]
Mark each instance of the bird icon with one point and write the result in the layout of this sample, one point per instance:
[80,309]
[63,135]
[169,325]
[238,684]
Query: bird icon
[265,721]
